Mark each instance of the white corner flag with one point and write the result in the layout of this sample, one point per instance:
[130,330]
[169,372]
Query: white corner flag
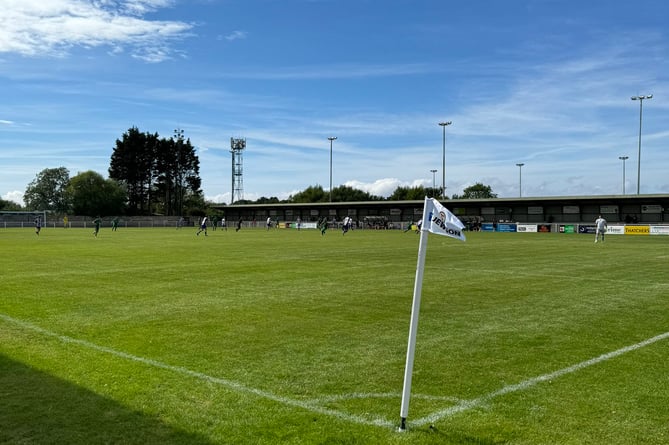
[439,220]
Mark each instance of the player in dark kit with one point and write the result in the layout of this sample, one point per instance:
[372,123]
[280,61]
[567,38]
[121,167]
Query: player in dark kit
[323,225]
[97,221]
[38,225]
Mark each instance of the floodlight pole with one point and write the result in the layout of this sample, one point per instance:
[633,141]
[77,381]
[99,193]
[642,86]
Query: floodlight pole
[443,158]
[179,135]
[638,166]
[331,138]
[623,158]
[520,179]
[434,185]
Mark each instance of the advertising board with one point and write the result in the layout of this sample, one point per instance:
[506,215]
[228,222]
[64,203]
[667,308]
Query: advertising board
[586,228]
[637,230]
[615,230]
[566,228]
[651,208]
[659,230]
[504,227]
[608,209]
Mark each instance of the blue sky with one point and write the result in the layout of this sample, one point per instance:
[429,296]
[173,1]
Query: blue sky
[546,83]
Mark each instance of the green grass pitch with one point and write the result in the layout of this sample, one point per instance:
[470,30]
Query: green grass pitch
[158,336]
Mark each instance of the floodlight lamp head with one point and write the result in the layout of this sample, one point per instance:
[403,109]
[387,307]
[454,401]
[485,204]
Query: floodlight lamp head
[443,124]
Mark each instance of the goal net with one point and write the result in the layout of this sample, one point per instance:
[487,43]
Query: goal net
[21,219]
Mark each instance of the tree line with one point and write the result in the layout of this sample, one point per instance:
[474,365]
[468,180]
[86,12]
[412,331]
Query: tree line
[150,175]
[345,193]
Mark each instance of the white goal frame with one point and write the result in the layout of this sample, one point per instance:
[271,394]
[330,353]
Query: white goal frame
[21,219]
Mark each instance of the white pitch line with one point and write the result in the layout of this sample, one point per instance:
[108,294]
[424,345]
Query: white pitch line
[236,386]
[464,405]
[476,403]
[385,395]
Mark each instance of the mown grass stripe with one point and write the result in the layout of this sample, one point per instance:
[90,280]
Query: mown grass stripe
[236,386]
[526,384]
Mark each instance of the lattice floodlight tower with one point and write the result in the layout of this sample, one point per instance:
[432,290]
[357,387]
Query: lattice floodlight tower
[237,147]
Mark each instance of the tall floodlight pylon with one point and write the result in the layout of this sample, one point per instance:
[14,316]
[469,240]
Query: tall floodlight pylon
[237,147]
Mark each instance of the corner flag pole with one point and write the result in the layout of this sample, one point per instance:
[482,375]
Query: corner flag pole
[413,326]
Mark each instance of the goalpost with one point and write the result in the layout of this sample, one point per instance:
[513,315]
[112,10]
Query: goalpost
[21,219]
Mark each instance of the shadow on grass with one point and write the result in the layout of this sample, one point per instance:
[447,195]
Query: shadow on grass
[36,408]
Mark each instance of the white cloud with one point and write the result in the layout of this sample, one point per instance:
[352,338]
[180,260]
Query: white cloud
[219,198]
[236,35]
[138,7]
[331,71]
[384,187]
[41,28]
[15,196]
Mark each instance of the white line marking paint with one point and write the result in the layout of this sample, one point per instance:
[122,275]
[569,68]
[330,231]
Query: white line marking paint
[384,395]
[478,402]
[198,375]
[463,405]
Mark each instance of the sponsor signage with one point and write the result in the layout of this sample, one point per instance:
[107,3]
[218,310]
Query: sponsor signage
[582,228]
[615,230]
[499,227]
[608,209]
[651,209]
[637,230]
[304,225]
[566,228]
[526,228]
[487,211]
[544,228]
[534,210]
[487,227]
[392,212]
[571,210]
[503,227]
[659,230]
